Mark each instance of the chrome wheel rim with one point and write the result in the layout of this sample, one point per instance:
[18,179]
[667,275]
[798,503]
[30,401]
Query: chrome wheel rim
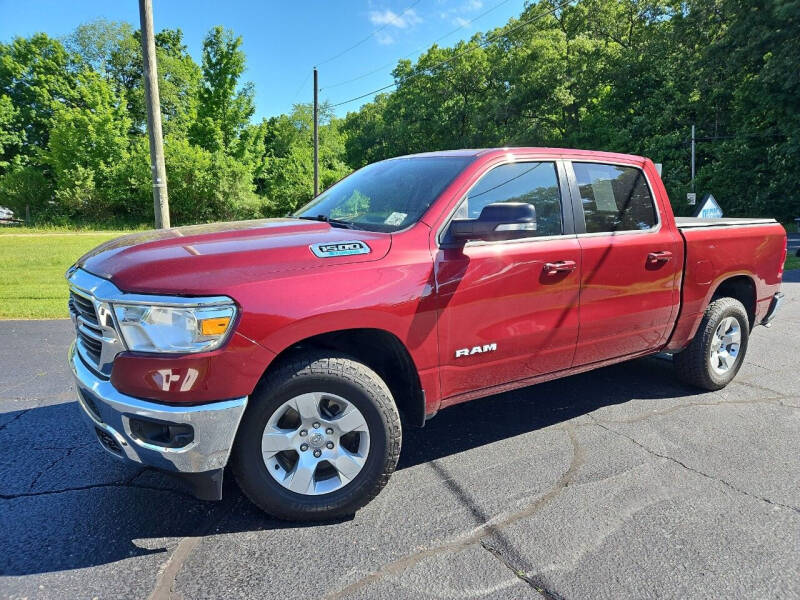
[725,345]
[315,443]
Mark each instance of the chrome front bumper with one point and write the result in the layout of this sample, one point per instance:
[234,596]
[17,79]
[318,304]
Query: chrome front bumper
[109,415]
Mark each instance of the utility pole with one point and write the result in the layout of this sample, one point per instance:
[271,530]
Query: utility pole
[693,158]
[159,172]
[316,134]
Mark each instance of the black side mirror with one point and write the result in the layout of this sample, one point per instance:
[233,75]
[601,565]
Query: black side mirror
[498,221]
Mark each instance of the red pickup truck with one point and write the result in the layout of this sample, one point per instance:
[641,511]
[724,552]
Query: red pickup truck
[292,349]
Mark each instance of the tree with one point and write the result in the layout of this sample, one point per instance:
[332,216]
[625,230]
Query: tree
[114,50]
[39,77]
[224,109]
[286,174]
[621,75]
[84,172]
[11,138]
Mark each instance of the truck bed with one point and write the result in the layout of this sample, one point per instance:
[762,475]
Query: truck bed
[720,249]
[695,222]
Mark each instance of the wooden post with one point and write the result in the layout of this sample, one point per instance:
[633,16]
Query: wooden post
[316,135]
[158,170]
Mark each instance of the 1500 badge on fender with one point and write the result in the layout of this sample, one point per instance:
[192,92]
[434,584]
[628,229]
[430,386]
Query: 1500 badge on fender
[340,249]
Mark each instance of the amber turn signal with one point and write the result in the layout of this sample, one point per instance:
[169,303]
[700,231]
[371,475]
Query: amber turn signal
[214,326]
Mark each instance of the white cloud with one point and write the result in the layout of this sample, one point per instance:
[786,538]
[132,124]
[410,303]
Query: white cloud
[384,38]
[389,17]
[453,14]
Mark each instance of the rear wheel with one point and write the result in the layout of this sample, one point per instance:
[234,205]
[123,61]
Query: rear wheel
[319,440]
[715,355]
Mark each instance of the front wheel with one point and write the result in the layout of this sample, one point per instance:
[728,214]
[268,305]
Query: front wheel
[717,351]
[319,440]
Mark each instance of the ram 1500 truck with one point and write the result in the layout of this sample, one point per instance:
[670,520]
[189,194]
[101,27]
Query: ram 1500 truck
[292,349]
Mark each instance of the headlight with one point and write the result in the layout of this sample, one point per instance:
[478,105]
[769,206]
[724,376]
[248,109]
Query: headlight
[174,329]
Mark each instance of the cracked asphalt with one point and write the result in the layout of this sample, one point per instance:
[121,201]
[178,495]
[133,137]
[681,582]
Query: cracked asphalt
[620,483]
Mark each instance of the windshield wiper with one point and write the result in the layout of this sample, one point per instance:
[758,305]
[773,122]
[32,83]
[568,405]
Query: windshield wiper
[334,222]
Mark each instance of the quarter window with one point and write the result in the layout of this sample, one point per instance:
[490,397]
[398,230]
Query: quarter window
[532,182]
[614,198]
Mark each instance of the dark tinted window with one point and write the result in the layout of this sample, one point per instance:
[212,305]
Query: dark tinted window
[532,182]
[388,195]
[614,198]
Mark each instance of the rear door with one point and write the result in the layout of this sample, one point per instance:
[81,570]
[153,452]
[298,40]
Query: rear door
[504,315]
[630,262]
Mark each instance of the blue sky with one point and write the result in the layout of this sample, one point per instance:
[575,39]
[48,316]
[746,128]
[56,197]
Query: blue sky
[283,40]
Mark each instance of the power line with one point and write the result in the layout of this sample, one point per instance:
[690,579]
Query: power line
[436,41]
[482,44]
[302,85]
[369,37]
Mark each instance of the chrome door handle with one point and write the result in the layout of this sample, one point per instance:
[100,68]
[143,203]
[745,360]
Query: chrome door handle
[561,266]
[661,256]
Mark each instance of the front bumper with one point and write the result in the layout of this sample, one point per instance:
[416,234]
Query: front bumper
[111,415]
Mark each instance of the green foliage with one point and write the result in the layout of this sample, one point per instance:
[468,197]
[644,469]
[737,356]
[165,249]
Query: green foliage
[620,75]
[38,75]
[84,173]
[286,175]
[224,109]
[11,138]
[206,186]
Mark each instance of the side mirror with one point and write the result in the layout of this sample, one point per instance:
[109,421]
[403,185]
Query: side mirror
[498,221]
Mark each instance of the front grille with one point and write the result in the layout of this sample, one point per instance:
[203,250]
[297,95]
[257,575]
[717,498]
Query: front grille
[98,340]
[83,307]
[93,347]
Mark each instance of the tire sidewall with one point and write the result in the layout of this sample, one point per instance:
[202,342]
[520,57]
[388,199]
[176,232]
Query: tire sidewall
[280,500]
[733,310]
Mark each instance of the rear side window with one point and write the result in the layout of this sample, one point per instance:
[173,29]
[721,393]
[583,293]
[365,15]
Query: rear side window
[532,182]
[614,198]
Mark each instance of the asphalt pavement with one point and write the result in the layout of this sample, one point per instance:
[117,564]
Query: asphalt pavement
[619,483]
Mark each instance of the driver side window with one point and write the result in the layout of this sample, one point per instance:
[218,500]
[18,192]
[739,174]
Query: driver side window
[533,182]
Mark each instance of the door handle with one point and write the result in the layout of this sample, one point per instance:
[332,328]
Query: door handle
[661,256]
[562,266]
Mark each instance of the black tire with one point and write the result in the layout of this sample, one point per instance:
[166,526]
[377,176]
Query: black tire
[333,373]
[693,364]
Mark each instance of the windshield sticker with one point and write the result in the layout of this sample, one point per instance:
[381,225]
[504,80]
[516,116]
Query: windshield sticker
[396,218]
[340,249]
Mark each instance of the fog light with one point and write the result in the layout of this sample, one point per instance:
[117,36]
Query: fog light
[161,433]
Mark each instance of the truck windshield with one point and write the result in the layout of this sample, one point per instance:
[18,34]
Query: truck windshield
[386,196]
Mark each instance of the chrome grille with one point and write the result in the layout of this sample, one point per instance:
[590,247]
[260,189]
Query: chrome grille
[93,347]
[97,339]
[80,305]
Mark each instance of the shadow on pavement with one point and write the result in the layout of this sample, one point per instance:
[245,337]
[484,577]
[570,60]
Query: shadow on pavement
[95,515]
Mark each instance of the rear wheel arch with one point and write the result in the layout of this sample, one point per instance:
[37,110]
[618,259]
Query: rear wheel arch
[741,288]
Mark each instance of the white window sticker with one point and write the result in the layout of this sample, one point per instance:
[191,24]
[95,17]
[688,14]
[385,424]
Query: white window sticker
[603,190]
[396,218]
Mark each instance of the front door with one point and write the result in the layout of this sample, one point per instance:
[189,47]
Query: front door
[631,263]
[509,309]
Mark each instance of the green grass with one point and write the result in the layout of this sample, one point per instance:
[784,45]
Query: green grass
[792,262]
[32,267]
[61,229]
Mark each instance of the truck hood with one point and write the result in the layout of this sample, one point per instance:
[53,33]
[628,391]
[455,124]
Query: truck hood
[216,257]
